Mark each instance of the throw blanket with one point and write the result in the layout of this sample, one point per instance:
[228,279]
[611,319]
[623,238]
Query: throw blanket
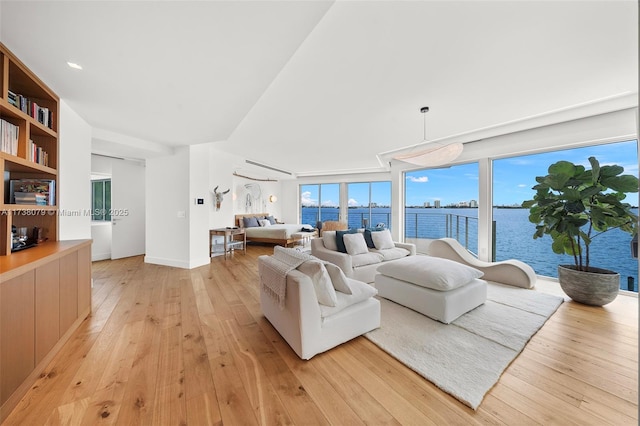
[273,271]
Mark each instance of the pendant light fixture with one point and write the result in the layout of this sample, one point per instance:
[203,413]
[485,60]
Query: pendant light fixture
[435,153]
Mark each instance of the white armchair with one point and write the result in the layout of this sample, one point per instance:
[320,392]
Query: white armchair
[311,328]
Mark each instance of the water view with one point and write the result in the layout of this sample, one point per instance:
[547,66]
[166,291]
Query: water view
[514,236]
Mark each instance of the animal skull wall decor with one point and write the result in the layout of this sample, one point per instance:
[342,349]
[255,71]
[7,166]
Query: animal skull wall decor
[219,196]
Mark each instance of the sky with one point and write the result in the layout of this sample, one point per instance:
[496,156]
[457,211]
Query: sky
[358,194]
[513,179]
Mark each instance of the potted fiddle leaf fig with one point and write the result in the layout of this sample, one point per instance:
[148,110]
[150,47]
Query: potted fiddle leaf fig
[575,206]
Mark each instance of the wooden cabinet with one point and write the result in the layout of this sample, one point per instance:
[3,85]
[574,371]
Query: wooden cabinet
[30,110]
[47,313]
[17,357]
[45,294]
[68,291]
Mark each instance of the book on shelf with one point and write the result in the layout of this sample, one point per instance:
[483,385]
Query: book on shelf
[32,198]
[13,98]
[9,134]
[33,191]
[42,114]
[37,154]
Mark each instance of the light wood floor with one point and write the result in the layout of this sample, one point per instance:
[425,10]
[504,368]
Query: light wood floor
[167,346]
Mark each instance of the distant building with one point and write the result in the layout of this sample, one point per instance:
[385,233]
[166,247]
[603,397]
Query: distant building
[436,204]
[473,203]
[427,204]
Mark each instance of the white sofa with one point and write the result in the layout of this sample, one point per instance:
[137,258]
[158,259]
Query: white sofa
[361,267]
[311,328]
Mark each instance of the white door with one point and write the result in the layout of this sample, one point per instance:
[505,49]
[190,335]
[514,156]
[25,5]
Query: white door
[127,205]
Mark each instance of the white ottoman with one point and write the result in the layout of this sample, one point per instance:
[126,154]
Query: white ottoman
[438,288]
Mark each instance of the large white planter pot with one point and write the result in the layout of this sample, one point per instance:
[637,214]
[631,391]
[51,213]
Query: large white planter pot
[596,288]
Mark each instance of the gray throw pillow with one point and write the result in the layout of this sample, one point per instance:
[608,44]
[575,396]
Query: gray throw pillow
[250,222]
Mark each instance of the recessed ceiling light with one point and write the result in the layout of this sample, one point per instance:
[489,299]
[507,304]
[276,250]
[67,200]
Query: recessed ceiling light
[74,65]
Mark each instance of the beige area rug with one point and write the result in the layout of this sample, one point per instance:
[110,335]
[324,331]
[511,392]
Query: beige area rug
[467,357]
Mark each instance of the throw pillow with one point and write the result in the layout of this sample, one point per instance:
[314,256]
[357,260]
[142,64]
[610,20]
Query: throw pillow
[338,278]
[355,243]
[382,240]
[360,292]
[271,220]
[340,239]
[264,222]
[322,284]
[250,222]
[329,240]
[368,239]
[432,272]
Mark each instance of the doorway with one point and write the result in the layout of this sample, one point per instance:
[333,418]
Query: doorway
[118,207]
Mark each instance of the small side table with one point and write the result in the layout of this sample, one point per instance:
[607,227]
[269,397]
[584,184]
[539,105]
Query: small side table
[304,238]
[230,235]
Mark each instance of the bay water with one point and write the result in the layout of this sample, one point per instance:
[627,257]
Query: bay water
[513,237]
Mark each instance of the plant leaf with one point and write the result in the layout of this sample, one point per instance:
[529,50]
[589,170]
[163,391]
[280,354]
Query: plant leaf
[624,183]
[610,171]
[595,169]
[562,168]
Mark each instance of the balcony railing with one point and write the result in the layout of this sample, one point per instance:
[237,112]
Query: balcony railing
[420,227]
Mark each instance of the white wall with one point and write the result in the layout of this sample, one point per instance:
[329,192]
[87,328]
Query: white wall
[74,178]
[260,205]
[167,196]
[101,245]
[221,166]
[101,165]
[199,213]
[173,184]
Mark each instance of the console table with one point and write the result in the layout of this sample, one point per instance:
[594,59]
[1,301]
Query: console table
[230,239]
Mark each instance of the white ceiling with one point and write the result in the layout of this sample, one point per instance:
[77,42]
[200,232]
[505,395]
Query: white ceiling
[321,87]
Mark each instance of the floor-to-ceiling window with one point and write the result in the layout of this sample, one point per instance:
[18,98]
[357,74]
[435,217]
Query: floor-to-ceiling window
[369,204]
[442,202]
[319,202]
[513,179]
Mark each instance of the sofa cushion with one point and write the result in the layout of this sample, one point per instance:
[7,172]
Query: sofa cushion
[365,259]
[340,239]
[338,278]
[329,240]
[430,272]
[250,222]
[322,283]
[360,292]
[271,219]
[368,239]
[382,240]
[355,244]
[392,253]
[264,222]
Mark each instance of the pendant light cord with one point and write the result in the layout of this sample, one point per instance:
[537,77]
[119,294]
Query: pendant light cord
[424,111]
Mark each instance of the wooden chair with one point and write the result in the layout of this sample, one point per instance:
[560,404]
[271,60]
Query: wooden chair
[334,225]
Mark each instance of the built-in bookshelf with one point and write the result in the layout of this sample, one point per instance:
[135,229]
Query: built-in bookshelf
[29,112]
